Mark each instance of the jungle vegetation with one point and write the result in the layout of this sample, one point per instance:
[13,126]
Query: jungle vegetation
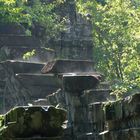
[31,14]
[116,38]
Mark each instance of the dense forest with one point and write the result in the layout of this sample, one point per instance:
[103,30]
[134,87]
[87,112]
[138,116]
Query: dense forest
[116,33]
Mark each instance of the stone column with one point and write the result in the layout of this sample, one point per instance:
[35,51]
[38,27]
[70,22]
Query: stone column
[77,110]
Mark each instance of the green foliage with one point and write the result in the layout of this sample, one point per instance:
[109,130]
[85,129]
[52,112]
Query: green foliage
[28,55]
[12,12]
[116,40]
[44,15]
[31,13]
[1,120]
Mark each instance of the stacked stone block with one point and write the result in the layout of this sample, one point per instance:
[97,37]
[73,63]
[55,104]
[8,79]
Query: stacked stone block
[122,119]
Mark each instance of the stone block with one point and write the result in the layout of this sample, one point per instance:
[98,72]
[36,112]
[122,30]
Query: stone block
[113,110]
[123,113]
[19,40]
[124,108]
[131,105]
[31,79]
[96,117]
[25,122]
[95,95]
[79,83]
[68,66]
[14,66]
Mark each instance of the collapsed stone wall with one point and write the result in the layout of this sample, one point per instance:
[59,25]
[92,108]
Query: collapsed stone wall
[121,119]
[75,43]
[77,93]
[26,122]
[23,83]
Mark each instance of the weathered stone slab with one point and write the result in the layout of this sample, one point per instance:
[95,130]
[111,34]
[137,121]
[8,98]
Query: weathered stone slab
[39,79]
[123,114]
[68,66]
[123,109]
[113,110]
[21,66]
[38,85]
[96,117]
[19,40]
[96,95]
[25,122]
[69,48]
[79,83]
[131,105]
[130,122]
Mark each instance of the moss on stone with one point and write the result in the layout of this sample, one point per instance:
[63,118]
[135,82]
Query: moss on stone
[30,121]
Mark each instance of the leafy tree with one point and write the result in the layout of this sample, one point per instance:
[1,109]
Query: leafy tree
[31,13]
[116,28]
[44,16]
[11,12]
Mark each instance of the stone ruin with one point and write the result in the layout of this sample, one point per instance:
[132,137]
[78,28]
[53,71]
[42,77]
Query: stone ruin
[47,98]
[30,89]
[26,122]
[121,119]
[61,83]
[69,84]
